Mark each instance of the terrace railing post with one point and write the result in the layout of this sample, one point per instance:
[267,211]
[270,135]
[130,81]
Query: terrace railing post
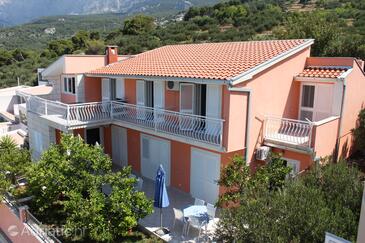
[68,115]
[45,108]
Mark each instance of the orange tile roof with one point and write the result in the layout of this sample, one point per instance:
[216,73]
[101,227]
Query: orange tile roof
[221,61]
[323,72]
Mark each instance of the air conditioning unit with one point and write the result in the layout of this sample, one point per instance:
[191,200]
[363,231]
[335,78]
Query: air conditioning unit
[262,153]
[172,85]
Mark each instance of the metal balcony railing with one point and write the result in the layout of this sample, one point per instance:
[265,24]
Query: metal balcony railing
[199,128]
[288,131]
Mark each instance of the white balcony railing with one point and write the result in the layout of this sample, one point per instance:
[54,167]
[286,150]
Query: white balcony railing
[208,130]
[199,128]
[288,131]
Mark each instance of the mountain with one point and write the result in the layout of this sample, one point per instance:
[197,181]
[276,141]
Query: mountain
[13,12]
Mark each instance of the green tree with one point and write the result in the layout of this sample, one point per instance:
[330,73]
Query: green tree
[61,47]
[323,27]
[67,186]
[237,178]
[359,131]
[138,24]
[14,162]
[326,199]
[80,40]
[94,47]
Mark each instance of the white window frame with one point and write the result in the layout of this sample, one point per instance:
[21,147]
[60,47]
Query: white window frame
[66,87]
[289,162]
[314,110]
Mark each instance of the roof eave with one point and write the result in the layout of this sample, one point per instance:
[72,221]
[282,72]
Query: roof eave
[315,79]
[261,67]
[161,78]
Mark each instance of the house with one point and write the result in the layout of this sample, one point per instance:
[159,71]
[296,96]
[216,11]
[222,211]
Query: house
[192,107]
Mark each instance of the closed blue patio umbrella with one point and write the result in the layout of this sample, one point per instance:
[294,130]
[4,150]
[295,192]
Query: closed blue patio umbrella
[161,197]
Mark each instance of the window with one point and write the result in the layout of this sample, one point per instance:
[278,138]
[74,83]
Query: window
[316,101]
[294,164]
[69,85]
[308,96]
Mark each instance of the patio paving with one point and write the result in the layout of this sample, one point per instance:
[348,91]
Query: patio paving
[179,200]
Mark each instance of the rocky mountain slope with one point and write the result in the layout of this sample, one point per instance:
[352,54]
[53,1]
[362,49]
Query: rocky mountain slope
[13,12]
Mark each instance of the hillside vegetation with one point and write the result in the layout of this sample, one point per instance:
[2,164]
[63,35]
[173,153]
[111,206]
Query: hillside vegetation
[338,26]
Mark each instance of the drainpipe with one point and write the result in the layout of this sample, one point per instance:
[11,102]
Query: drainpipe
[339,129]
[248,91]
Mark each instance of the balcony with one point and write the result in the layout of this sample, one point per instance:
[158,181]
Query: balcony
[319,137]
[72,116]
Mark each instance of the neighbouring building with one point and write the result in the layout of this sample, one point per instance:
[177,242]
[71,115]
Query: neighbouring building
[192,107]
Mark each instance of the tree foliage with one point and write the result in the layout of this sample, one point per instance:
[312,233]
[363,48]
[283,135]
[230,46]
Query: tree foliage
[67,186]
[237,178]
[336,25]
[14,162]
[138,24]
[359,131]
[327,199]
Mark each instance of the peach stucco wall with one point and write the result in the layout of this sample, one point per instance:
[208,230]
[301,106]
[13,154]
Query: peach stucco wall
[325,137]
[330,61]
[172,101]
[9,219]
[274,93]
[108,140]
[130,91]
[68,98]
[79,132]
[353,103]
[92,89]
[83,63]
[234,110]
[134,144]
[180,165]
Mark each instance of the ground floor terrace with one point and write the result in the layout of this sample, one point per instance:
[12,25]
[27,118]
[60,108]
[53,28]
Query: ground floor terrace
[189,169]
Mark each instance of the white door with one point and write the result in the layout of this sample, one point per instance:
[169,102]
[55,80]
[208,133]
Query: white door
[119,146]
[158,100]
[105,88]
[213,106]
[187,104]
[119,86]
[154,151]
[141,99]
[204,174]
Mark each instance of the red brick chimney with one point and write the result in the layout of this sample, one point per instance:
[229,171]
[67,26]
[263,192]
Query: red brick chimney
[111,54]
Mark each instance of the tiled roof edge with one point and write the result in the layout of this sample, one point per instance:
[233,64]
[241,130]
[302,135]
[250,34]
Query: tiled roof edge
[261,67]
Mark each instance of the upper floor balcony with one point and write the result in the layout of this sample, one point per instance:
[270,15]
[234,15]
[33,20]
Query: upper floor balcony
[319,137]
[164,122]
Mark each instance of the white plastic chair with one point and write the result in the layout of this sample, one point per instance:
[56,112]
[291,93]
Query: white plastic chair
[211,210]
[195,223]
[179,216]
[139,184]
[198,201]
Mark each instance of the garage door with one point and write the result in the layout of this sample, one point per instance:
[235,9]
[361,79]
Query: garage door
[119,146]
[204,174]
[154,151]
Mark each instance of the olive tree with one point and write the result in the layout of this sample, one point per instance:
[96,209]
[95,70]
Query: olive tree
[327,198]
[67,186]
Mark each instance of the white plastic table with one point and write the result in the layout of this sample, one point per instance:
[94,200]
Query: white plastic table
[195,211]
[198,211]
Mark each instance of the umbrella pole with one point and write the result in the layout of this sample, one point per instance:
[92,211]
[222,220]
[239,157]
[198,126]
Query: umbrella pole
[161,217]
